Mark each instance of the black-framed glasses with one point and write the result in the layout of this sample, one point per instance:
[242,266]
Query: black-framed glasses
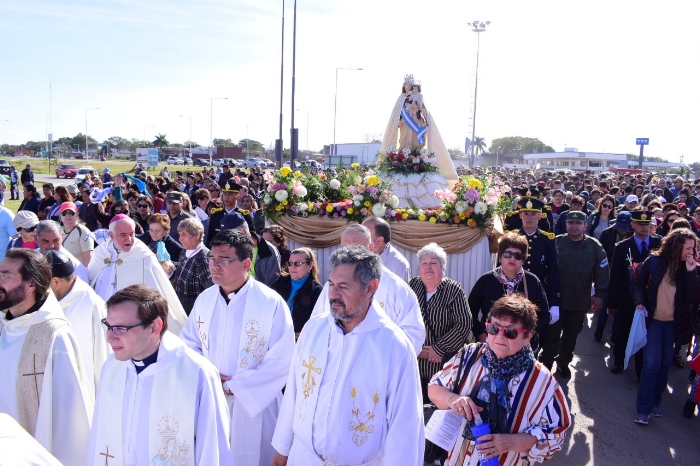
[67,212]
[510,254]
[28,230]
[297,263]
[510,333]
[607,206]
[117,212]
[220,262]
[143,206]
[120,330]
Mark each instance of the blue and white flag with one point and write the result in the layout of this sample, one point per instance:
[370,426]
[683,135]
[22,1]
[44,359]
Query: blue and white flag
[139,184]
[98,195]
[419,130]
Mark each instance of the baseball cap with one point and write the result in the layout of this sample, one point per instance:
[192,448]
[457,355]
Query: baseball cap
[632,198]
[174,196]
[575,216]
[25,219]
[232,221]
[68,206]
[624,221]
[73,189]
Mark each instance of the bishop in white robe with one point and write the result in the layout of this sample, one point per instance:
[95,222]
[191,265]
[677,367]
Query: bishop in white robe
[352,399]
[59,385]
[119,263]
[397,300]
[172,413]
[250,339]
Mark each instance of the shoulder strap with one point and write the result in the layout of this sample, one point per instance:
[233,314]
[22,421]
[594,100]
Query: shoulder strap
[463,371]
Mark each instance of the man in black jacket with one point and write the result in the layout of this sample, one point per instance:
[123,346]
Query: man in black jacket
[27,176]
[628,253]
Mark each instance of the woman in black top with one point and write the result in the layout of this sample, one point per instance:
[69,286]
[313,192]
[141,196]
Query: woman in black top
[300,286]
[504,280]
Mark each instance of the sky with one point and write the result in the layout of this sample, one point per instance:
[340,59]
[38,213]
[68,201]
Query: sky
[592,75]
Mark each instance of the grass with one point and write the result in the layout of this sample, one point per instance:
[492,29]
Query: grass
[41,166]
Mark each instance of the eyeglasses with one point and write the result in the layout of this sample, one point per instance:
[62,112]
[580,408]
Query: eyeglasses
[28,230]
[517,255]
[67,212]
[120,330]
[117,212]
[143,206]
[510,333]
[220,262]
[5,276]
[296,264]
[607,206]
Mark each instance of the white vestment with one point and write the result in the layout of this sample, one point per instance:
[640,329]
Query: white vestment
[111,270]
[18,447]
[85,311]
[173,411]
[250,340]
[399,302]
[80,269]
[65,406]
[396,262]
[352,399]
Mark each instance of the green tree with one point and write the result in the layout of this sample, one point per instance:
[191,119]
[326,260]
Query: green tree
[190,143]
[635,158]
[479,145]
[223,143]
[695,167]
[160,142]
[456,153]
[250,145]
[79,141]
[517,145]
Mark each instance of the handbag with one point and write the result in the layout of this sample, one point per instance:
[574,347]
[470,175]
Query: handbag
[432,451]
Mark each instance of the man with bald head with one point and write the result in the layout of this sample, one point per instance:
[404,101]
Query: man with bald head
[390,256]
[123,261]
[393,295]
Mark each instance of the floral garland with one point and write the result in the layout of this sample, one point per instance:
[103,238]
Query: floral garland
[408,161]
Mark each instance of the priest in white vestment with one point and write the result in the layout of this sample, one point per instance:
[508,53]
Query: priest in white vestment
[246,330]
[158,402]
[85,310]
[394,295]
[125,261]
[49,236]
[43,384]
[353,394]
[392,259]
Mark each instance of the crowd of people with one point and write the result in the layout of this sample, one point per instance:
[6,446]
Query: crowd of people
[160,319]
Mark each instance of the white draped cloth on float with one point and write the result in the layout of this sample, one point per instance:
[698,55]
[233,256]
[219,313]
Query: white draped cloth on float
[18,447]
[251,340]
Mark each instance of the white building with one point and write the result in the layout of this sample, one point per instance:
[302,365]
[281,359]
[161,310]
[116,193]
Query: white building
[572,159]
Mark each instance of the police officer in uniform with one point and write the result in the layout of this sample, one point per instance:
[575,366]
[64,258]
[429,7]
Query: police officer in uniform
[546,222]
[542,258]
[229,195]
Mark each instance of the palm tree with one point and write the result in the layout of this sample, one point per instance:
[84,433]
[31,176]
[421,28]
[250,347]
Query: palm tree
[161,142]
[479,145]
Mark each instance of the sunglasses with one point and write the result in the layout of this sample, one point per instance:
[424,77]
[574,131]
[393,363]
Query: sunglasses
[607,206]
[296,264]
[510,254]
[117,212]
[67,212]
[143,206]
[28,230]
[510,333]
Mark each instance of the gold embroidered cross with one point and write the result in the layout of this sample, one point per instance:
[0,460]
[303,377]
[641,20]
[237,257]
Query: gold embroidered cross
[34,374]
[107,456]
[199,323]
[202,336]
[310,381]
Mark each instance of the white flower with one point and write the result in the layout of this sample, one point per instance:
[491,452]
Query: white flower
[300,191]
[393,201]
[357,199]
[378,210]
[267,198]
[406,151]
[281,195]
[303,207]
[480,208]
[335,184]
[432,160]
[420,212]
[423,151]
[461,206]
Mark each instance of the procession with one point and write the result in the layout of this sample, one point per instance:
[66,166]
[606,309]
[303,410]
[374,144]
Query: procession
[397,301]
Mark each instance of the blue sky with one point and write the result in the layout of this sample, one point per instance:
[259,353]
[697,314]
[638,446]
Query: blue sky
[593,75]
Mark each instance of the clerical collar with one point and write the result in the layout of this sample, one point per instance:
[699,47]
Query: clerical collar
[226,295]
[34,308]
[145,362]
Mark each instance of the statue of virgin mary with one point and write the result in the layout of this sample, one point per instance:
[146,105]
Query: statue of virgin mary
[412,125]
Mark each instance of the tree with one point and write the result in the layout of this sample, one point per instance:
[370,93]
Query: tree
[160,142]
[223,143]
[190,143]
[456,153]
[517,145]
[635,158]
[479,145]
[373,138]
[79,141]
[250,145]
[695,167]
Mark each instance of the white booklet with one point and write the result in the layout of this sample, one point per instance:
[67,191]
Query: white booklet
[444,428]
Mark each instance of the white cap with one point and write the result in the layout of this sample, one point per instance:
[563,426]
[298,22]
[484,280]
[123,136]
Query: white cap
[632,198]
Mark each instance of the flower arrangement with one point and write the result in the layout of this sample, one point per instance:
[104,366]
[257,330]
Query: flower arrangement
[408,161]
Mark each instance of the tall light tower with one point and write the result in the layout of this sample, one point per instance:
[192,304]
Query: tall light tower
[478,27]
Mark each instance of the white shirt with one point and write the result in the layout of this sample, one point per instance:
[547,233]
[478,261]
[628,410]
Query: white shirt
[396,262]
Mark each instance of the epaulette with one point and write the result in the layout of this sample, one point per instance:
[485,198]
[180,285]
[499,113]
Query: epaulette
[543,215]
[547,206]
[244,212]
[548,234]
[215,210]
[511,213]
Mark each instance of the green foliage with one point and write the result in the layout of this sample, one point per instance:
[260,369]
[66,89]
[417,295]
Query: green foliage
[223,143]
[251,145]
[517,145]
[635,158]
[479,145]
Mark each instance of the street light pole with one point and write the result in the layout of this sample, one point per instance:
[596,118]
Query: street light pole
[87,144]
[190,141]
[335,110]
[307,127]
[478,27]
[211,125]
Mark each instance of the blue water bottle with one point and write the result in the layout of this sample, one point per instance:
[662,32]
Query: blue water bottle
[480,429]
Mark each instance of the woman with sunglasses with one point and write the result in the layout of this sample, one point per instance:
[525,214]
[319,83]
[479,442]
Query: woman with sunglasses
[603,217]
[144,204]
[77,239]
[25,223]
[501,382]
[508,278]
[299,286]
[670,217]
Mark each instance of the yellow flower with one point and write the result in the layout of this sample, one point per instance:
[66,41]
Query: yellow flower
[297,174]
[279,207]
[284,171]
[284,202]
[355,165]
[329,208]
[368,204]
[421,217]
[373,180]
[433,219]
[471,223]
[475,184]
[350,211]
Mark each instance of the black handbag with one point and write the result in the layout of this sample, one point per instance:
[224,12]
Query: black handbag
[432,451]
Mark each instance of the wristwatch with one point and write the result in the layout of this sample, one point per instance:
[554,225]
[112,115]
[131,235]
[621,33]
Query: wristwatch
[227,391]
